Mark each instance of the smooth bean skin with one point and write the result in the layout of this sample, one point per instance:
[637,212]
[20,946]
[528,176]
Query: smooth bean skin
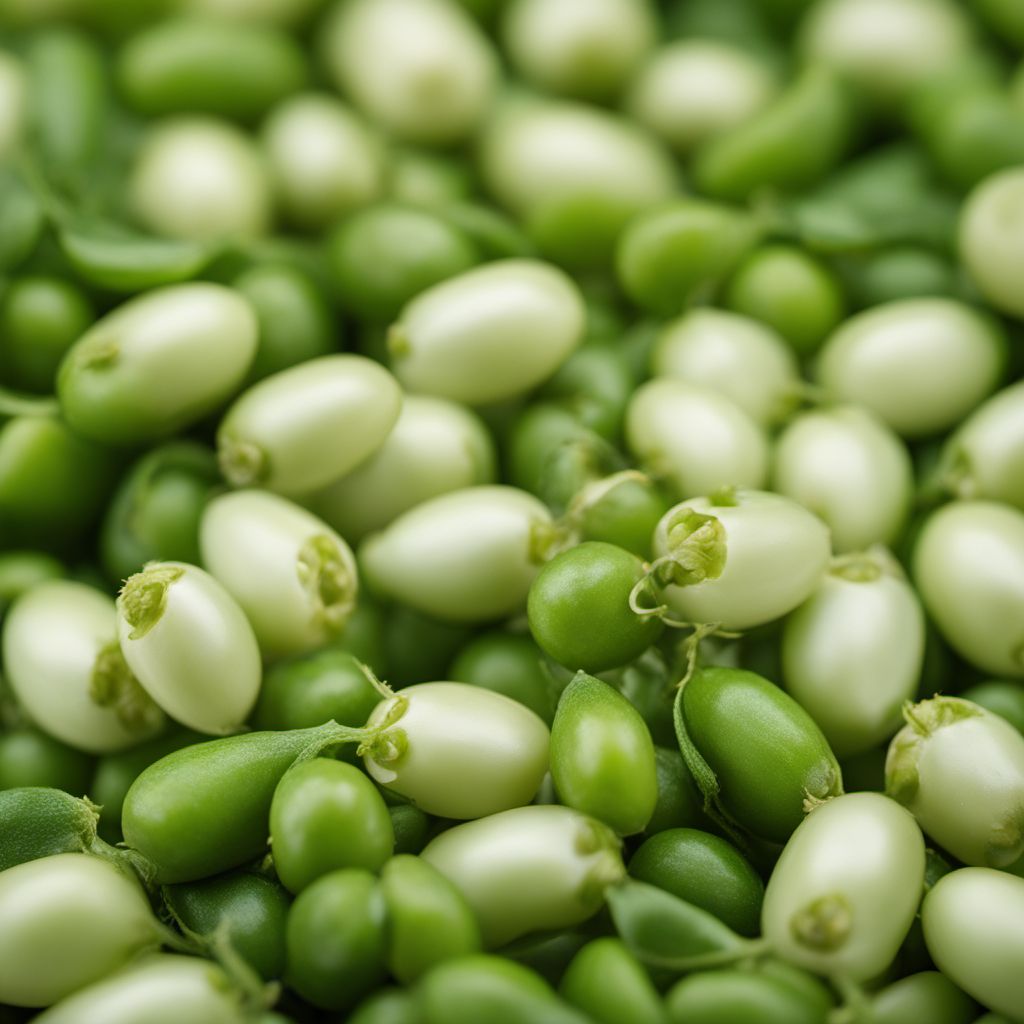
[489,334]
[968,565]
[602,756]
[423,71]
[387,1005]
[458,751]
[765,555]
[679,803]
[411,826]
[732,354]
[578,608]
[200,179]
[767,752]
[843,894]
[40,822]
[528,869]
[971,919]
[429,922]
[920,364]
[1002,698]
[853,652]
[131,378]
[927,995]
[468,556]
[80,691]
[29,757]
[691,90]
[327,815]
[959,769]
[201,65]
[704,870]
[303,427]
[22,570]
[67,921]
[436,447]
[989,245]
[850,469]
[336,939]
[606,982]
[694,438]
[725,996]
[250,908]
[623,511]
[159,989]
[190,645]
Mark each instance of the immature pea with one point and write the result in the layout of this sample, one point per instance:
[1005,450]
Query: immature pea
[605,981]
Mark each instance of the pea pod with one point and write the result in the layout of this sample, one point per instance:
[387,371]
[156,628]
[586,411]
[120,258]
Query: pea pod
[715,997]
[602,756]
[679,801]
[765,751]
[606,982]
[528,869]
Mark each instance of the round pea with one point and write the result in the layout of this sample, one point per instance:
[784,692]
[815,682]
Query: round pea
[606,982]
[622,510]
[679,803]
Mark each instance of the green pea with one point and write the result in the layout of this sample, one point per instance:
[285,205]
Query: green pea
[679,803]
[690,90]
[579,608]
[429,922]
[327,815]
[40,822]
[364,637]
[411,826]
[66,921]
[419,647]
[308,425]
[246,909]
[52,482]
[200,179]
[495,235]
[131,377]
[423,71]
[436,447]
[422,177]
[509,664]
[386,1006]
[40,318]
[767,752]
[844,892]
[155,989]
[721,997]
[927,995]
[203,809]
[469,556]
[676,253]
[788,289]
[207,66]
[490,988]
[703,870]
[155,512]
[1002,698]
[31,758]
[336,939]
[904,272]
[22,570]
[622,510]
[382,257]
[528,869]
[606,982]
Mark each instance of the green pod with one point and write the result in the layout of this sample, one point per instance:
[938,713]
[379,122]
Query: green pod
[622,509]
[722,997]
[673,254]
[496,236]
[1003,698]
[155,512]
[131,378]
[299,429]
[292,575]
[594,383]
[79,690]
[31,758]
[246,910]
[490,988]
[436,447]
[704,870]
[679,803]
[427,178]
[529,869]
[602,756]
[41,822]
[767,753]
[159,989]
[336,938]
[411,826]
[327,815]
[959,769]
[927,995]
[419,646]
[203,809]
[429,921]
[971,920]
[489,334]
[790,145]
[607,983]
[190,646]
[457,751]
[207,66]
[387,1005]
[843,895]
[468,556]
[579,608]
[67,921]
